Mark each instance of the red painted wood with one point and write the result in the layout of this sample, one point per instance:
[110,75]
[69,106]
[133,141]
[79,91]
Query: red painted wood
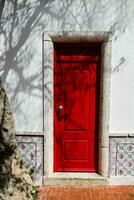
[76,89]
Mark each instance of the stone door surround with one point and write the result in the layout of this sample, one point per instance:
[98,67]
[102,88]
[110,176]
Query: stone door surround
[48,60]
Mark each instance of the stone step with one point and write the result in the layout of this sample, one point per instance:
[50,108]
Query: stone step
[69,182]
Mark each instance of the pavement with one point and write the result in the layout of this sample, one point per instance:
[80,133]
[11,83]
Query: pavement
[87,193]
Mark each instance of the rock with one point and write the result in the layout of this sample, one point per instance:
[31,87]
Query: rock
[15,182]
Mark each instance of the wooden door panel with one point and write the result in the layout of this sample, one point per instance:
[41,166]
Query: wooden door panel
[76,99]
[76,150]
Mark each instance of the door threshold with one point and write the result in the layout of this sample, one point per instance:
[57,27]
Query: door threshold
[76,175]
[86,180]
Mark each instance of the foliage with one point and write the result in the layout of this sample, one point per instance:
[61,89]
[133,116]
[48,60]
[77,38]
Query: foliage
[35,192]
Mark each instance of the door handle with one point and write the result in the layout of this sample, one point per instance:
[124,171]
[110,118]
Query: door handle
[58,112]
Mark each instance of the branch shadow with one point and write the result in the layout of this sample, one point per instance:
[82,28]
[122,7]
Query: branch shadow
[23,20]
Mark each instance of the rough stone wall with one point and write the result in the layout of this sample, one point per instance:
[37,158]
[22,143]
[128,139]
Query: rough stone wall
[15,182]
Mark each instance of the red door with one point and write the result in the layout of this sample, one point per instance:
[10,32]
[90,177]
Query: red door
[76,94]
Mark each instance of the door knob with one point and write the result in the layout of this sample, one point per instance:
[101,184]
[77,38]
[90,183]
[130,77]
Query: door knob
[58,113]
[60,107]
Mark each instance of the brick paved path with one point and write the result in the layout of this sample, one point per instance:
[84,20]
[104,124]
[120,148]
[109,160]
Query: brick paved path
[87,193]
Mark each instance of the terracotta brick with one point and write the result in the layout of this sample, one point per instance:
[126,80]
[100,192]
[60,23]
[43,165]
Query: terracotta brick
[87,193]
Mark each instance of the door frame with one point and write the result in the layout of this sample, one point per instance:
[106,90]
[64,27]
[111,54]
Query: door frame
[47,69]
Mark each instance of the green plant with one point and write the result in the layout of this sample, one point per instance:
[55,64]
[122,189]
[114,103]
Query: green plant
[35,192]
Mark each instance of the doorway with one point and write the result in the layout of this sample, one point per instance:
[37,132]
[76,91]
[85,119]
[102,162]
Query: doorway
[76,106]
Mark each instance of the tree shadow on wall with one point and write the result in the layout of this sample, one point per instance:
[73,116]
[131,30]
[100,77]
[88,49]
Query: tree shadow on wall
[22,21]
[19,22]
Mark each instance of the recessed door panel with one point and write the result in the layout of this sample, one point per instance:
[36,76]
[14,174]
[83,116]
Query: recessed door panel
[76,99]
[76,150]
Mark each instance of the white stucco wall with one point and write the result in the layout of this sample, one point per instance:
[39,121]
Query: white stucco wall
[21,54]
